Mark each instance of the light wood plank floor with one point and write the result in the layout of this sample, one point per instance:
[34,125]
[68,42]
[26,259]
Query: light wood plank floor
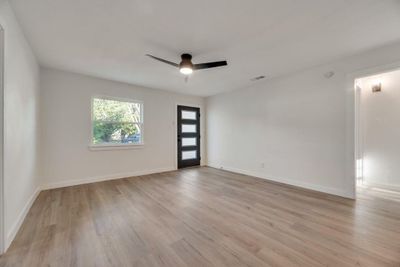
[206,217]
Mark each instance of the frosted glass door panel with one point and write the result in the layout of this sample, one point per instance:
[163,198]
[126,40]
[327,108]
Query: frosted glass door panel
[188,115]
[189,154]
[188,141]
[188,128]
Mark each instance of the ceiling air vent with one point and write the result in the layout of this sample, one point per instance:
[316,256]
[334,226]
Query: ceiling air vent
[257,78]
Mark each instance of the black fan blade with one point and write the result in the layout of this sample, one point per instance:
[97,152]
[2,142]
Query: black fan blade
[163,60]
[209,65]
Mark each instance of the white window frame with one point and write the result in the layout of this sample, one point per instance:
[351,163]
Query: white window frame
[95,147]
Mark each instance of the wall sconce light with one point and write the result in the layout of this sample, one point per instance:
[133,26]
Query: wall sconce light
[377,87]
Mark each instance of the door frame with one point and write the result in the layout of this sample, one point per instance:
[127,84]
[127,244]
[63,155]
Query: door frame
[175,125]
[2,64]
[356,129]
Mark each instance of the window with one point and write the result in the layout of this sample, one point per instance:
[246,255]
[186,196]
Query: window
[116,122]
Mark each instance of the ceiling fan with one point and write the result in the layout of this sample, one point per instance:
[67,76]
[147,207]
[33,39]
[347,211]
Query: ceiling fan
[187,67]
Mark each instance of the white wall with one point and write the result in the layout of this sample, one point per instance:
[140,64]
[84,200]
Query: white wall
[1,140]
[66,114]
[297,129]
[21,96]
[380,132]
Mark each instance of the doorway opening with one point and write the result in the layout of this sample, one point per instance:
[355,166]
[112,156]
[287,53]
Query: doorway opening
[378,131]
[188,131]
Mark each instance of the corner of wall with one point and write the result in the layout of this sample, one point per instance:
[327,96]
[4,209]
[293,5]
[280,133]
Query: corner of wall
[21,86]
[21,217]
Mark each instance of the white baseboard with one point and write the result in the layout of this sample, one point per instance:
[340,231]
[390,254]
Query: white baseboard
[88,180]
[323,189]
[17,225]
[382,185]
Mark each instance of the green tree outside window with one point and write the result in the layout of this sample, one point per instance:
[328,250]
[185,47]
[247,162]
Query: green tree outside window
[116,122]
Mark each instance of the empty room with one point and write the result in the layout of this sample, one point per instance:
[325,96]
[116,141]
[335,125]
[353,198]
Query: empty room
[199,133]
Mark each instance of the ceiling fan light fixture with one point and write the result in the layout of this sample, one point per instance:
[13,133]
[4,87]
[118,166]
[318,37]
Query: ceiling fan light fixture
[186,66]
[186,70]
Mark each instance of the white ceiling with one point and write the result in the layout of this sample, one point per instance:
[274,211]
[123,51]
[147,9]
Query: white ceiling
[109,38]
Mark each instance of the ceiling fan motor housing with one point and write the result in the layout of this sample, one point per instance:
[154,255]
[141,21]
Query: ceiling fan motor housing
[186,61]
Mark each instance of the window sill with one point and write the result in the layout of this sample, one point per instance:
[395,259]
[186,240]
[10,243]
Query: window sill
[115,147]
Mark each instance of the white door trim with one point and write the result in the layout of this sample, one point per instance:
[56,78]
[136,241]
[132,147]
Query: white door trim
[354,133]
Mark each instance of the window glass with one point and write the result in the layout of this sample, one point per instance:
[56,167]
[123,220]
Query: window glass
[116,122]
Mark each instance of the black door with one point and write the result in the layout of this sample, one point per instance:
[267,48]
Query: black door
[188,136]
